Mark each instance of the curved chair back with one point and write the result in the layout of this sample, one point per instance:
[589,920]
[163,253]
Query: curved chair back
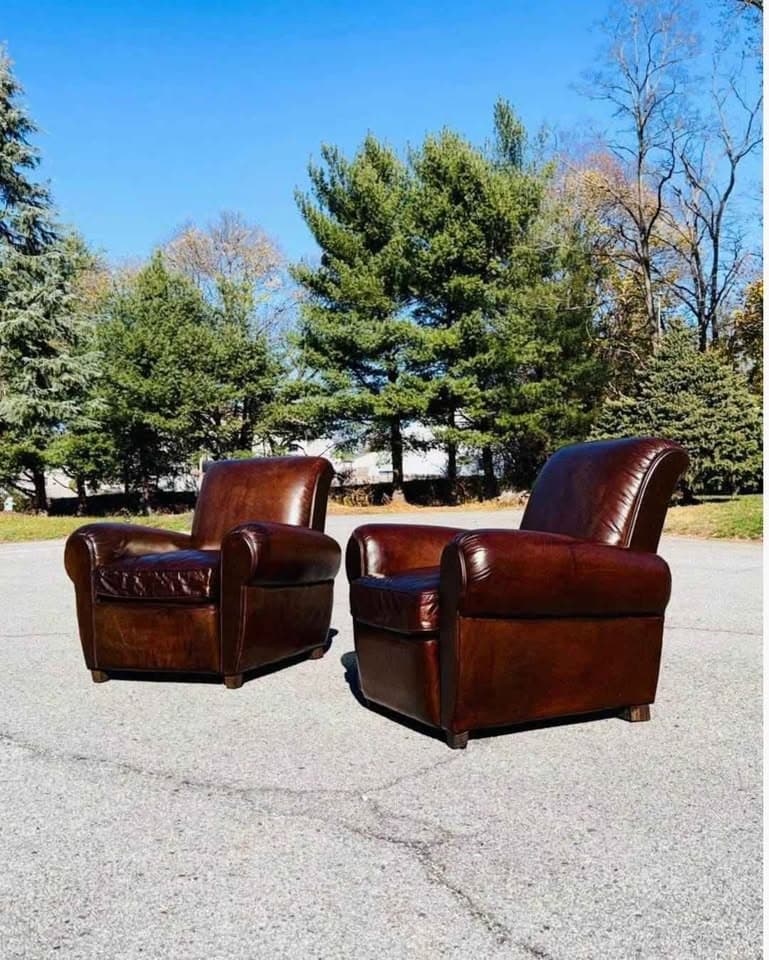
[291,490]
[608,491]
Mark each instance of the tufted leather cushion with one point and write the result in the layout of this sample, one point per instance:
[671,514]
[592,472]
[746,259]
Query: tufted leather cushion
[190,576]
[404,602]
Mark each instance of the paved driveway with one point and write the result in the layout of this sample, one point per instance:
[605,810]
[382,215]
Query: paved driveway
[284,820]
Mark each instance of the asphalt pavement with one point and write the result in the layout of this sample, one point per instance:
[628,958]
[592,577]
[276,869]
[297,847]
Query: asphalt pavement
[286,820]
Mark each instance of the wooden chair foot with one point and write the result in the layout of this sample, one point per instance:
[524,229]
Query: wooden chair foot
[99,676]
[233,681]
[457,741]
[636,714]
[317,653]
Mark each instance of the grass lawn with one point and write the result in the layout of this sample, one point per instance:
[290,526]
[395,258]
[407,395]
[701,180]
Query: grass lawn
[740,518]
[20,527]
[737,519]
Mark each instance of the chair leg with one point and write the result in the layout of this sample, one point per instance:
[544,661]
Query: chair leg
[636,714]
[233,681]
[457,741]
[99,676]
[317,653]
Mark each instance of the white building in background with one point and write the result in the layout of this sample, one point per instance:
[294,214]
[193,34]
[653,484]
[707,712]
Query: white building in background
[376,467]
[364,467]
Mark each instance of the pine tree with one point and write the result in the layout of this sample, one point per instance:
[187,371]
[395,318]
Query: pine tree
[41,370]
[25,220]
[356,336]
[504,296]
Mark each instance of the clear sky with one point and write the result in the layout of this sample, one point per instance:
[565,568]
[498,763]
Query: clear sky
[153,114]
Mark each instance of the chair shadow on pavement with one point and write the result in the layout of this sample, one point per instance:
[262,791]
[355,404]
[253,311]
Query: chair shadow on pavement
[350,663]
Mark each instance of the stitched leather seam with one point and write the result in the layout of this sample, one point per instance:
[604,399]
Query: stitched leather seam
[315,497]
[642,490]
[92,612]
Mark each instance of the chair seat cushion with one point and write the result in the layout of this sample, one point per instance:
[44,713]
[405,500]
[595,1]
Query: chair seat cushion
[190,576]
[405,602]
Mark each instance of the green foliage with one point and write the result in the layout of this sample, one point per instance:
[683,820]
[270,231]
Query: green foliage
[447,292]
[504,293]
[356,338]
[699,400]
[178,378]
[45,367]
[745,341]
[24,205]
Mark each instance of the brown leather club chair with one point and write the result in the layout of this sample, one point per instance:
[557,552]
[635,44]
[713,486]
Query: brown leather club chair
[465,630]
[250,586]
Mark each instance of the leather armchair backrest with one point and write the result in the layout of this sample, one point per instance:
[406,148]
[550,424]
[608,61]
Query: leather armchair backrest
[608,491]
[291,490]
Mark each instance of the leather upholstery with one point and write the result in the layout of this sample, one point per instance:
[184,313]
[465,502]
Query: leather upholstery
[276,553]
[385,548]
[608,491]
[522,573]
[95,544]
[404,602]
[150,599]
[400,672]
[181,637]
[183,575]
[292,490]
[562,617]
[499,671]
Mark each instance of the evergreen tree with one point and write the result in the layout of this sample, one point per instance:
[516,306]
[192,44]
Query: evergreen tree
[42,370]
[356,337]
[179,379]
[25,217]
[699,400]
[745,340]
[504,296]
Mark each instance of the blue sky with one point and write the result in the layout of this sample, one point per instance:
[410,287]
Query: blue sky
[153,114]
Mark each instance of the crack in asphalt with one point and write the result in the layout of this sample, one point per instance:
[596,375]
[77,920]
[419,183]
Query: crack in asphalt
[422,850]
[701,629]
[230,789]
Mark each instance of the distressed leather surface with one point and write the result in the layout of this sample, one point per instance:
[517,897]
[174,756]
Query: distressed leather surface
[524,573]
[181,576]
[562,617]
[291,490]
[608,491]
[150,599]
[387,548]
[405,602]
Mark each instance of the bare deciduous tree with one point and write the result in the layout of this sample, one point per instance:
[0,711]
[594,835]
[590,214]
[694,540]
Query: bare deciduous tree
[700,228]
[643,81]
[237,266]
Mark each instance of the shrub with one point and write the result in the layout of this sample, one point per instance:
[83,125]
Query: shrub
[699,400]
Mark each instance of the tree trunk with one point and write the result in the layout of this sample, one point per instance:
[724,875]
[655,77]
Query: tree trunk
[490,487]
[82,499]
[396,455]
[246,432]
[41,499]
[146,494]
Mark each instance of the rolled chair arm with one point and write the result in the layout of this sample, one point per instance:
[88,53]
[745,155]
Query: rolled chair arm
[522,573]
[96,544]
[278,554]
[387,548]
